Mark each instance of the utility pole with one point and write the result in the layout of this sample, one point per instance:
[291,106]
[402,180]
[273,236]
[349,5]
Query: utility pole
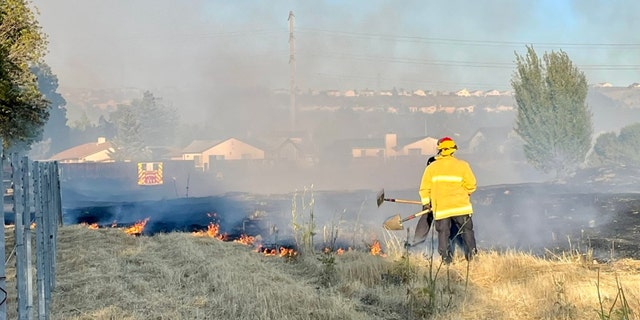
[292,72]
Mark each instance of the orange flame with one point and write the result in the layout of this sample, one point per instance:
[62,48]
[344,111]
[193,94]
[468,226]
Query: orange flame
[137,228]
[338,251]
[212,231]
[245,239]
[376,249]
[266,251]
[90,226]
[282,252]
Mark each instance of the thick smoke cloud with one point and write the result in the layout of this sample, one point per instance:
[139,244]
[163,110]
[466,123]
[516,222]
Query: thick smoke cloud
[193,53]
[204,56]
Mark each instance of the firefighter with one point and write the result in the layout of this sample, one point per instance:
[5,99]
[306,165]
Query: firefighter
[446,186]
[425,222]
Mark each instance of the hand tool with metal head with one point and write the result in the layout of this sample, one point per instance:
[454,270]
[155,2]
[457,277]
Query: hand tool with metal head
[395,222]
[380,199]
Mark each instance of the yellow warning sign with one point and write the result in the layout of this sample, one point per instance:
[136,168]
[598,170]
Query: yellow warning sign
[149,173]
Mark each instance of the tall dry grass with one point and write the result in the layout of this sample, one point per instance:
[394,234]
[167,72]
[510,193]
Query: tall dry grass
[107,274]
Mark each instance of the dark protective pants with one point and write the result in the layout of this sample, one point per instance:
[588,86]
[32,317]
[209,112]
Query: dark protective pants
[424,225]
[465,226]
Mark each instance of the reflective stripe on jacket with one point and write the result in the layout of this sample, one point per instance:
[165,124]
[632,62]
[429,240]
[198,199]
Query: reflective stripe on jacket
[447,184]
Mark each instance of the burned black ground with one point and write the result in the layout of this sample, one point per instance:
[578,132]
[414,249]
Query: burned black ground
[596,211]
[547,218]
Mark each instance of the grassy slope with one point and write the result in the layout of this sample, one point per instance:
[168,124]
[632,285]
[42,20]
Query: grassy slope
[107,274]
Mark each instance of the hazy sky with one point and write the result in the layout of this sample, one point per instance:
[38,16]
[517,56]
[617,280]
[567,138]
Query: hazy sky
[441,45]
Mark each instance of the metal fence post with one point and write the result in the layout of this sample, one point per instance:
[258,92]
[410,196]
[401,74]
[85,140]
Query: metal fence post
[18,210]
[40,245]
[54,212]
[26,185]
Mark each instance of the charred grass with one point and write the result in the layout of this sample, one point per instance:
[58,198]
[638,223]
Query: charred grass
[107,274]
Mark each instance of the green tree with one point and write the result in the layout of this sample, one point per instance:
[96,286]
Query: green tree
[553,119]
[55,130]
[83,123]
[128,144]
[23,109]
[605,150]
[623,149]
[629,139]
[143,124]
[158,123]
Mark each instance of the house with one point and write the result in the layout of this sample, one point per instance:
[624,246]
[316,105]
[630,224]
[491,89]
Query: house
[391,146]
[333,93]
[491,93]
[367,93]
[416,146]
[89,152]
[350,93]
[420,93]
[202,152]
[490,140]
[292,150]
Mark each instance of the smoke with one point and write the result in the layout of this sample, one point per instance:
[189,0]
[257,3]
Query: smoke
[211,57]
[195,53]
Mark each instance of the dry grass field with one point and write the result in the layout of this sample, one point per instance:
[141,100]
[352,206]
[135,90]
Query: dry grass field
[106,273]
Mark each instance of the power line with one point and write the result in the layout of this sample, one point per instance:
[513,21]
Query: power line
[415,81]
[454,63]
[390,37]
[187,36]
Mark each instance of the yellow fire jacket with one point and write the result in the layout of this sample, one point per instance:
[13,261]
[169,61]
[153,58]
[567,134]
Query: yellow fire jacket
[447,184]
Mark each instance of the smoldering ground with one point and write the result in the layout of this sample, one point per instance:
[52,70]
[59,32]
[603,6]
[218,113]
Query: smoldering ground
[539,218]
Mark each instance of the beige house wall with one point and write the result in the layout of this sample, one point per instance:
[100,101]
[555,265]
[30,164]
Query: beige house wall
[234,149]
[193,156]
[230,149]
[390,143]
[361,153]
[428,146]
[102,156]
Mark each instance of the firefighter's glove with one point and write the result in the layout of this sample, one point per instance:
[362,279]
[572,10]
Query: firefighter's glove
[426,207]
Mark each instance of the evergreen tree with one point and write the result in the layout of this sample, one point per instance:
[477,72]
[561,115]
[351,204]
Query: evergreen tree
[128,144]
[552,119]
[158,123]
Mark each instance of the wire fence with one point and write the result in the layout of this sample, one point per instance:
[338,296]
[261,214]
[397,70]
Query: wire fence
[34,195]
